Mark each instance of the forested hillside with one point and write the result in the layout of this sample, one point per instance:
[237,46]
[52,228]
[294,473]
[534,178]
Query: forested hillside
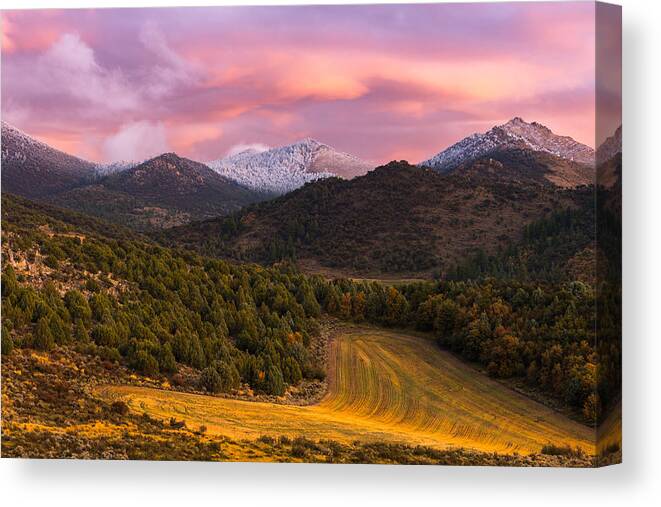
[65,282]
[397,219]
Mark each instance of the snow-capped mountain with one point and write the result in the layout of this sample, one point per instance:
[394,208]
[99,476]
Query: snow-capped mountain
[34,169]
[107,169]
[281,170]
[515,134]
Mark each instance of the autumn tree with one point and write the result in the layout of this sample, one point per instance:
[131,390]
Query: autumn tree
[358,306]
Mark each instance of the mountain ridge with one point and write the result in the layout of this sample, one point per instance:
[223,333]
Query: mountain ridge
[397,219]
[283,169]
[163,191]
[519,135]
[34,169]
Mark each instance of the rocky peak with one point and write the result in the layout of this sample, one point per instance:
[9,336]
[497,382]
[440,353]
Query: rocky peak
[515,134]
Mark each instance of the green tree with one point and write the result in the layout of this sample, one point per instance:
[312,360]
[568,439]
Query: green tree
[358,306]
[229,375]
[166,360]
[7,342]
[345,306]
[60,331]
[43,337]
[80,333]
[396,308]
[274,381]
[78,306]
[211,380]
[145,363]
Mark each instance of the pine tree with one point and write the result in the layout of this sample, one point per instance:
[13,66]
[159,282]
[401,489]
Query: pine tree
[43,337]
[274,382]
[7,342]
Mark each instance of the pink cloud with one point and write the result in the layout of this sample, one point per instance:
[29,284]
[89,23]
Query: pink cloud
[136,141]
[380,81]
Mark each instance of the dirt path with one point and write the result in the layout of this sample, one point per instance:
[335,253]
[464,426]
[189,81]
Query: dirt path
[383,386]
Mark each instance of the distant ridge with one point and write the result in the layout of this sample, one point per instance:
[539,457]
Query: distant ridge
[161,192]
[281,170]
[33,169]
[516,134]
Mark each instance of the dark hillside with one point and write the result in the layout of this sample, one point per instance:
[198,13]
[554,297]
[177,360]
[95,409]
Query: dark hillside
[396,219]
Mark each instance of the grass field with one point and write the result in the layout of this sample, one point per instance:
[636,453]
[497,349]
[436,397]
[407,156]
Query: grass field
[383,386]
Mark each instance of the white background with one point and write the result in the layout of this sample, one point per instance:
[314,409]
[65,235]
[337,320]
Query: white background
[636,482]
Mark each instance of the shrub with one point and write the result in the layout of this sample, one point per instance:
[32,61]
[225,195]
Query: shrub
[119,407]
[108,354]
[210,380]
[298,451]
[145,363]
[177,424]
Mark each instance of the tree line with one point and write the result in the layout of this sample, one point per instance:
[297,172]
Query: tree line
[541,333]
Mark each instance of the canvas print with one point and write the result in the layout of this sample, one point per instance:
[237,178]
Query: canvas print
[385,234]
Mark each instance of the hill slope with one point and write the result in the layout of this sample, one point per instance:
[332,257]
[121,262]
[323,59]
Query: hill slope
[162,192]
[34,169]
[396,219]
[170,180]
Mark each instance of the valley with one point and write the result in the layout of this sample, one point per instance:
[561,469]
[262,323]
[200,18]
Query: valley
[383,386]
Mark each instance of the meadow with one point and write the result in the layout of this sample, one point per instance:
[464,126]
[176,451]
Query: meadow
[383,386]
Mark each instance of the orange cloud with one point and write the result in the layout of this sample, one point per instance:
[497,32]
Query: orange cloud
[182,137]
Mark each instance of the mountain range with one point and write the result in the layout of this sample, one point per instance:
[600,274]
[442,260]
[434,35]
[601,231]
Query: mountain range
[411,221]
[330,201]
[166,190]
[161,192]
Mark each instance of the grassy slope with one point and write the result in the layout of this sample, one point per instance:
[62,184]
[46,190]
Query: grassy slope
[383,386]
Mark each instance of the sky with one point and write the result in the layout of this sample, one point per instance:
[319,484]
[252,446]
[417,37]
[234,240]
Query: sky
[382,82]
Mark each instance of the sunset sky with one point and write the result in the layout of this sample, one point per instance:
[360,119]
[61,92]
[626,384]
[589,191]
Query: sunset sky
[381,82]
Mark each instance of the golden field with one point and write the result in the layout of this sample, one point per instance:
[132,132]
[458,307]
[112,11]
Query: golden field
[382,386]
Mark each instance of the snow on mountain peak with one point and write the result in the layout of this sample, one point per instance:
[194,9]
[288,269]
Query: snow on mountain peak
[515,134]
[281,170]
[102,170]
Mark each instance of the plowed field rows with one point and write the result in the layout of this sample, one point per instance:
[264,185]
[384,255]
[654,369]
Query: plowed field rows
[383,386]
